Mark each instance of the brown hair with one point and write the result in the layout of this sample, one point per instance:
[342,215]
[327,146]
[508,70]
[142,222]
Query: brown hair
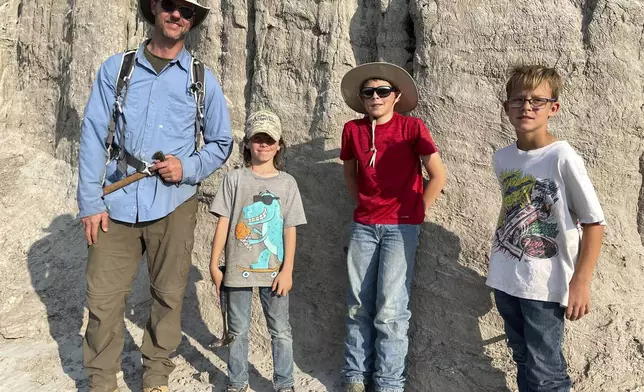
[529,77]
[278,159]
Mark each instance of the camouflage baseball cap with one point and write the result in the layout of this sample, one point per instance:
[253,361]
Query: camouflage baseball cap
[264,121]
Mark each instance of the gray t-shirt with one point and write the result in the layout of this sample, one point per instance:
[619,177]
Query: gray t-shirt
[259,208]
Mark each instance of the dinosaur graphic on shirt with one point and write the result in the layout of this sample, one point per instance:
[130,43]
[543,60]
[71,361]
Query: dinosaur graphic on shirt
[263,225]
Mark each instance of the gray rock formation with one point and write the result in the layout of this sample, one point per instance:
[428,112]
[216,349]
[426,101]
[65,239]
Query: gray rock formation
[290,56]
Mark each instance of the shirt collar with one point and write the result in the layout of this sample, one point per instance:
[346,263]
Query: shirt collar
[183,58]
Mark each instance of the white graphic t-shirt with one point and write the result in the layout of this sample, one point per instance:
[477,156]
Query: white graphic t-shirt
[546,194]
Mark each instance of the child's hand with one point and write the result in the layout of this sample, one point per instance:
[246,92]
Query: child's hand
[283,283]
[217,276]
[578,300]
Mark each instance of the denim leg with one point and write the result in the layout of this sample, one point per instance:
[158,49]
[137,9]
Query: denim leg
[545,362]
[362,265]
[276,312]
[398,246]
[239,301]
[535,333]
[509,308]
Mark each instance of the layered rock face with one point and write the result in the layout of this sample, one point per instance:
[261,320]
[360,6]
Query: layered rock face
[290,56]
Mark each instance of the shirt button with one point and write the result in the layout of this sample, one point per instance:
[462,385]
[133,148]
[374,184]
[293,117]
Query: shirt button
[153,101]
[149,125]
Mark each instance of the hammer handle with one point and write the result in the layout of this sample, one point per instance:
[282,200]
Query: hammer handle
[124,182]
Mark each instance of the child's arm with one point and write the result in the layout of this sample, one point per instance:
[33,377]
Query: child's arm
[437,178]
[350,178]
[579,288]
[218,243]
[284,280]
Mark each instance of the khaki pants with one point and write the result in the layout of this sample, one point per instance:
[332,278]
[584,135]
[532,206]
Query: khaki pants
[111,269]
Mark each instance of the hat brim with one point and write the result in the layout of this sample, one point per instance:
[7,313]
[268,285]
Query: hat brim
[200,12]
[397,76]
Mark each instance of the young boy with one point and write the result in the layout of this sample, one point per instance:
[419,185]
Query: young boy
[540,268]
[259,207]
[382,155]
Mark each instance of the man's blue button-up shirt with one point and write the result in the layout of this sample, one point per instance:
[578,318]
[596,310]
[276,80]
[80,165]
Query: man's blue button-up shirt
[159,113]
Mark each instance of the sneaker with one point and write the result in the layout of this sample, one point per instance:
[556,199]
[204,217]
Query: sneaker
[160,388]
[287,389]
[231,388]
[354,388]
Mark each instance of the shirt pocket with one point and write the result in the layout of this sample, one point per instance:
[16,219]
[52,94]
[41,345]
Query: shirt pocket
[180,114]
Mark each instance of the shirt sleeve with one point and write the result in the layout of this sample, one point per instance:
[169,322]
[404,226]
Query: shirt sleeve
[580,193]
[217,136]
[92,154]
[424,142]
[347,149]
[293,209]
[222,204]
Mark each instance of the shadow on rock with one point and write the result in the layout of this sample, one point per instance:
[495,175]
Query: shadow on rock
[447,351]
[320,278]
[57,269]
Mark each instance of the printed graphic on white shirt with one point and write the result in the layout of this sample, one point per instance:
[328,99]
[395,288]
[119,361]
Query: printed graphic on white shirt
[527,223]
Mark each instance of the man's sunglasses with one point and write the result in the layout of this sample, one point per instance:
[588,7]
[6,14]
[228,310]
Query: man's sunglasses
[185,12]
[382,91]
[266,199]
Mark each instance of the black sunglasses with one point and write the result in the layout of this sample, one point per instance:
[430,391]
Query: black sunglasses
[382,91]
[266,199]
[185,12]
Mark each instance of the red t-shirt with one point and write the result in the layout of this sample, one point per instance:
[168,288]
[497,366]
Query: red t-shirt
[392,191]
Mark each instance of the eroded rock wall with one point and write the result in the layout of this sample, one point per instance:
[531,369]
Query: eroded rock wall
[290,56]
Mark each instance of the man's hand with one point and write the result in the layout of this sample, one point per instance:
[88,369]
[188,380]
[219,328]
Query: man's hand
[283,283]
[217,276]
[170,170]
[91,223]
[578,300]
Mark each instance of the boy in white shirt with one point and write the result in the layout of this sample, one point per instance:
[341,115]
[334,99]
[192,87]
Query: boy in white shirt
[540,264]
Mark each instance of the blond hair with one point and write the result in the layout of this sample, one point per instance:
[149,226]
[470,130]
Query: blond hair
[529,77]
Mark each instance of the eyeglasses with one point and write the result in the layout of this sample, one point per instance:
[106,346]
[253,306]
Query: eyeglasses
[185,12]
[382,91]
[535,103]
[266,199]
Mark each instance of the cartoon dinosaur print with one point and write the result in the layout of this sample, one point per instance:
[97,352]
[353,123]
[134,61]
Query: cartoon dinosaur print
[265,221]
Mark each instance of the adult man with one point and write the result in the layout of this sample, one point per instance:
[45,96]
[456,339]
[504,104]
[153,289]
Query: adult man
[156,214]
[382,155]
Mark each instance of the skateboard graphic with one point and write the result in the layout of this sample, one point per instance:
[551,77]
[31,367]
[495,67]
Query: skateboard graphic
[246,271]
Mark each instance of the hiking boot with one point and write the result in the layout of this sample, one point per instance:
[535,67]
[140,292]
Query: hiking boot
[286,389]
[354,388]
[231,388]
[160,388]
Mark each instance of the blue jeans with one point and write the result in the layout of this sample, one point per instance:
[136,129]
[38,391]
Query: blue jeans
[380,264]
[276,313]
[535,334]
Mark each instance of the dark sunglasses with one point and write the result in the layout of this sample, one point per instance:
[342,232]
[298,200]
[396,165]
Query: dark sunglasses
[382,91]
[266,199]
[185,12]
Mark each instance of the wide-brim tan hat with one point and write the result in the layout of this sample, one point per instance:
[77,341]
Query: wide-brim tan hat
[200,12]
[397,76]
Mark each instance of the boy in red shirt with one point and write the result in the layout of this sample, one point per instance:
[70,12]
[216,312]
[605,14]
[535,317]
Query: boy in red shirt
[382,155]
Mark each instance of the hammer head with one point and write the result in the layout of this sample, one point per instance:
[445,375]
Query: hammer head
[159,156]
